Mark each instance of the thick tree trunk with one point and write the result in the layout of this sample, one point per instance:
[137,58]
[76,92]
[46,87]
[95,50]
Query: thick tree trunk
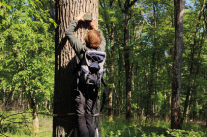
[65,62]
[176,122]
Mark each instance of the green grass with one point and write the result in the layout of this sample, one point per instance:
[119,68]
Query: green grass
[12,128]
[159,128]
[119,128]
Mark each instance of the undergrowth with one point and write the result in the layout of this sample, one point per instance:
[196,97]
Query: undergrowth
[20,125]
[158,128]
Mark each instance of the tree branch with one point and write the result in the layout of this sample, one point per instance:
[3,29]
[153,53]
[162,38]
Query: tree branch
[132,3]
[100,3]
[145,19]
[121,6]
[166,4]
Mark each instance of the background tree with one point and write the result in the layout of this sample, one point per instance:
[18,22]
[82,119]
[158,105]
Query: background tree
[26,59]
[125,9]
[176,122]
[108,10]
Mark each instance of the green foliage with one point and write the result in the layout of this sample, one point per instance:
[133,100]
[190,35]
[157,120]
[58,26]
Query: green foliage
[27,49]
[27,29]
[160,128]
[151,45]
[181,133]
[18,124]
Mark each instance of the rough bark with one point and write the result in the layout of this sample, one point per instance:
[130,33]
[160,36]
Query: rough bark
[65,61]
[176,122]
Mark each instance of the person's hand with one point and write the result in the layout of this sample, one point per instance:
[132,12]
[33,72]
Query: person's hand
[80,17]
[93,24]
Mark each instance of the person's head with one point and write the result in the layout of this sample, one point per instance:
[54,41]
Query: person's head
[93,38]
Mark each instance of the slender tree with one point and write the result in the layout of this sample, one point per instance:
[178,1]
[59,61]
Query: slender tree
[110,30]
[176,122]
[125,9]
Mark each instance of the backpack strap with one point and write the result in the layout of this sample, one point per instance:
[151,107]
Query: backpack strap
[104,93]
[80,62]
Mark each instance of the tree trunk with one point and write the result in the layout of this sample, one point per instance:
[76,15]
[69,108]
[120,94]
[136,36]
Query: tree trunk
[127,6]
[20,103]
[127,67]
[138,90]
[176,122]
[120,84]
[12,97]
[35,120]
[46,103]
[206,117]
[164,85]
[65,62]
[4,96]
[110,29]
[111,79]
[148,107]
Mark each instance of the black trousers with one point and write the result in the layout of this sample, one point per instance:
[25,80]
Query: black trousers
[85,100]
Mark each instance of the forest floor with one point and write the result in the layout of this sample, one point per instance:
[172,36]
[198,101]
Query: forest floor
[18,124]
[151,128]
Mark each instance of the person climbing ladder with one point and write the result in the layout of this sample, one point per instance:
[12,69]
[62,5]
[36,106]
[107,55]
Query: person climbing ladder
[90,73]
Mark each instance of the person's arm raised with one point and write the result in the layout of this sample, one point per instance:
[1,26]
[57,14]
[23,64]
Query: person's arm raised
[74,41]
[93,24]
